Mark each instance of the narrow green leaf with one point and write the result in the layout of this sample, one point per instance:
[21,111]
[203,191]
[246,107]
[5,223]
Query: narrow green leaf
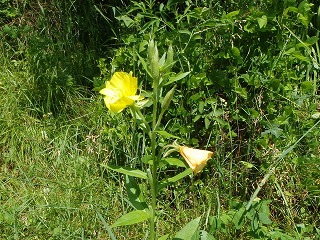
[180,175]
[107,227]
[131,218]
[177,77]
[174,179]
[126,170]
[164,237]
[166,134]
[134,194]
[144,64]
[174,162]
[188,231]
[207,122]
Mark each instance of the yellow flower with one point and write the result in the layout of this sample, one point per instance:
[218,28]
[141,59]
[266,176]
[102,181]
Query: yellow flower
[120,91]
[196,158]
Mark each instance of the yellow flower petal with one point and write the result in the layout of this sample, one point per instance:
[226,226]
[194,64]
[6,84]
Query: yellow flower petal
[195,158]
[118,105]
[125,82]
[120,91]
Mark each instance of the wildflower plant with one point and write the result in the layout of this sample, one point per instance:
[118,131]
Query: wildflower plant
[121,92]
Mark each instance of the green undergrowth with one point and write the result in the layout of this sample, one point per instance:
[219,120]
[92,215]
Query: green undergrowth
[252,92]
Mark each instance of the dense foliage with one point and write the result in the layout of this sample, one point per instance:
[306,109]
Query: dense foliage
[252,91]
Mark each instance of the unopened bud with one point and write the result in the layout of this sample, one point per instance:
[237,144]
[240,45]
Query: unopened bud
[167,99]
[155,69]
[169,55]
[150,50]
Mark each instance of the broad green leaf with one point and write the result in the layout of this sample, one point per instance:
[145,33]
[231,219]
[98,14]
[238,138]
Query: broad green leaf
[307,85]
[188,231]
[134,194]
[262,21]
[166,134]
[264,218]
[235,52]
[132,218]
[127,21]
[201,106]
[300,56]
[239,217]
[247,165]
[206,236]
[185,31]
[310,41]
[126,170]
[230,15]
[226,218]
[242,92]
[147,159]
[174,162]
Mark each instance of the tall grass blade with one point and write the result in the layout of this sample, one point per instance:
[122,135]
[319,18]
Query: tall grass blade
[271,171]
[105,224]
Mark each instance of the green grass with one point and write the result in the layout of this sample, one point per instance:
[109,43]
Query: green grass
[248,106]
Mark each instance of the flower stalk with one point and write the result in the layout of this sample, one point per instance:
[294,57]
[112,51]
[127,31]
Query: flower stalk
[154,64]
[121,92]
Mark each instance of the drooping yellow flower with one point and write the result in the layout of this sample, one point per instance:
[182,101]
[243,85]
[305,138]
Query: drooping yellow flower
[120,91]
[195,158]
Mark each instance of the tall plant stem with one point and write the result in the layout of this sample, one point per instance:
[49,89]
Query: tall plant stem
[153,189]
[154,179]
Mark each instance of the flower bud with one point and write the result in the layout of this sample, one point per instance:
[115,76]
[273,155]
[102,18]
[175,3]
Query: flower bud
[155,69]
[150,50]
[195,158]
[167,99]
[169,59]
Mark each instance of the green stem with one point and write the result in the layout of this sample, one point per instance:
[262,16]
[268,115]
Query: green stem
[153,188]
[154,181]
